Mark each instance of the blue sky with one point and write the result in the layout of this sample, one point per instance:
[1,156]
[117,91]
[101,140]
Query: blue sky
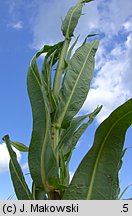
[24,27]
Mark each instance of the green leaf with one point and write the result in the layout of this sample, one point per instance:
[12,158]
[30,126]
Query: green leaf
[71,49]
[66,134]
[115,183]
[68,26]
[38,194]
[86,1]
[64,171]
[76,84]
[42,162]
[126,188]
[49,49]
[20,186]
[19,146]
[52,56]
[70,22]
[73,139]
[93,180]
[88,36]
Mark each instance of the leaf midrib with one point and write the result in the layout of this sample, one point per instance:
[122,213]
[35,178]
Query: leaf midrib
[43,177]
[67,35]
[23,185]
[98,157]
[72,92]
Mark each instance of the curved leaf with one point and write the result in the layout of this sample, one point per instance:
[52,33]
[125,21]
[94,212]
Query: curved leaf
[20,186]
[66,134]
[42,162]
[72,141]
[71,135]
[68,26]
[19,146]
[38,194]
[70,22]
[76,84]
[96,173]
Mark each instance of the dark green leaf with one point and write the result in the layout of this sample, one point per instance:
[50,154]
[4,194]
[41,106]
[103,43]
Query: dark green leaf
[50,49]
[115,183]
[52,56]
[38,194]
[76,84]
[64,171]
[72,141]
[42,162]
[88,36]
[68,133]
[94,178]
[20,186]
[19,146]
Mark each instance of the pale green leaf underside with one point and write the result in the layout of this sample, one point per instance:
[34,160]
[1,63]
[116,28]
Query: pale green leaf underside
[20,186]
[76,83]
[96,173]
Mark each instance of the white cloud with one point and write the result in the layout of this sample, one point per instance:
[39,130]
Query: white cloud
[112,84]
[4,157]
[25,166]
[100,16]
[128,25]
[16,25]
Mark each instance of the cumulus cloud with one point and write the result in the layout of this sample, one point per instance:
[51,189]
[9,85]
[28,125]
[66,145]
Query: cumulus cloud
[112,84]
[5,158]
[100,16]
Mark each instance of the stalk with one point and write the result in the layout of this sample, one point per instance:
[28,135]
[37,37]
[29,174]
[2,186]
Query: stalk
[55,143]
[54,195]
[60,67]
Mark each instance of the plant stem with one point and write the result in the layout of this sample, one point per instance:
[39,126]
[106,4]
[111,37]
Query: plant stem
[54,195]
[55,144]
[60,67]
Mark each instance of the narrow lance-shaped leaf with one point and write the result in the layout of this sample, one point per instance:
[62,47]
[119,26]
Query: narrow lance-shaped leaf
[70,22]
[19,146]
[49,49]
[71,49]
[21,189]
[72,141]
[93,180]
[68,26]
[51,58]
[42,162]
[67,135]
[88,36]
[76,84]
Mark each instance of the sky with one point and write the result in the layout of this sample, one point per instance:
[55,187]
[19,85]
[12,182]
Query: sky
[27,25]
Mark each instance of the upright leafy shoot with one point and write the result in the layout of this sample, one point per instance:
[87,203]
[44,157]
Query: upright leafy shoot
[57,93]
